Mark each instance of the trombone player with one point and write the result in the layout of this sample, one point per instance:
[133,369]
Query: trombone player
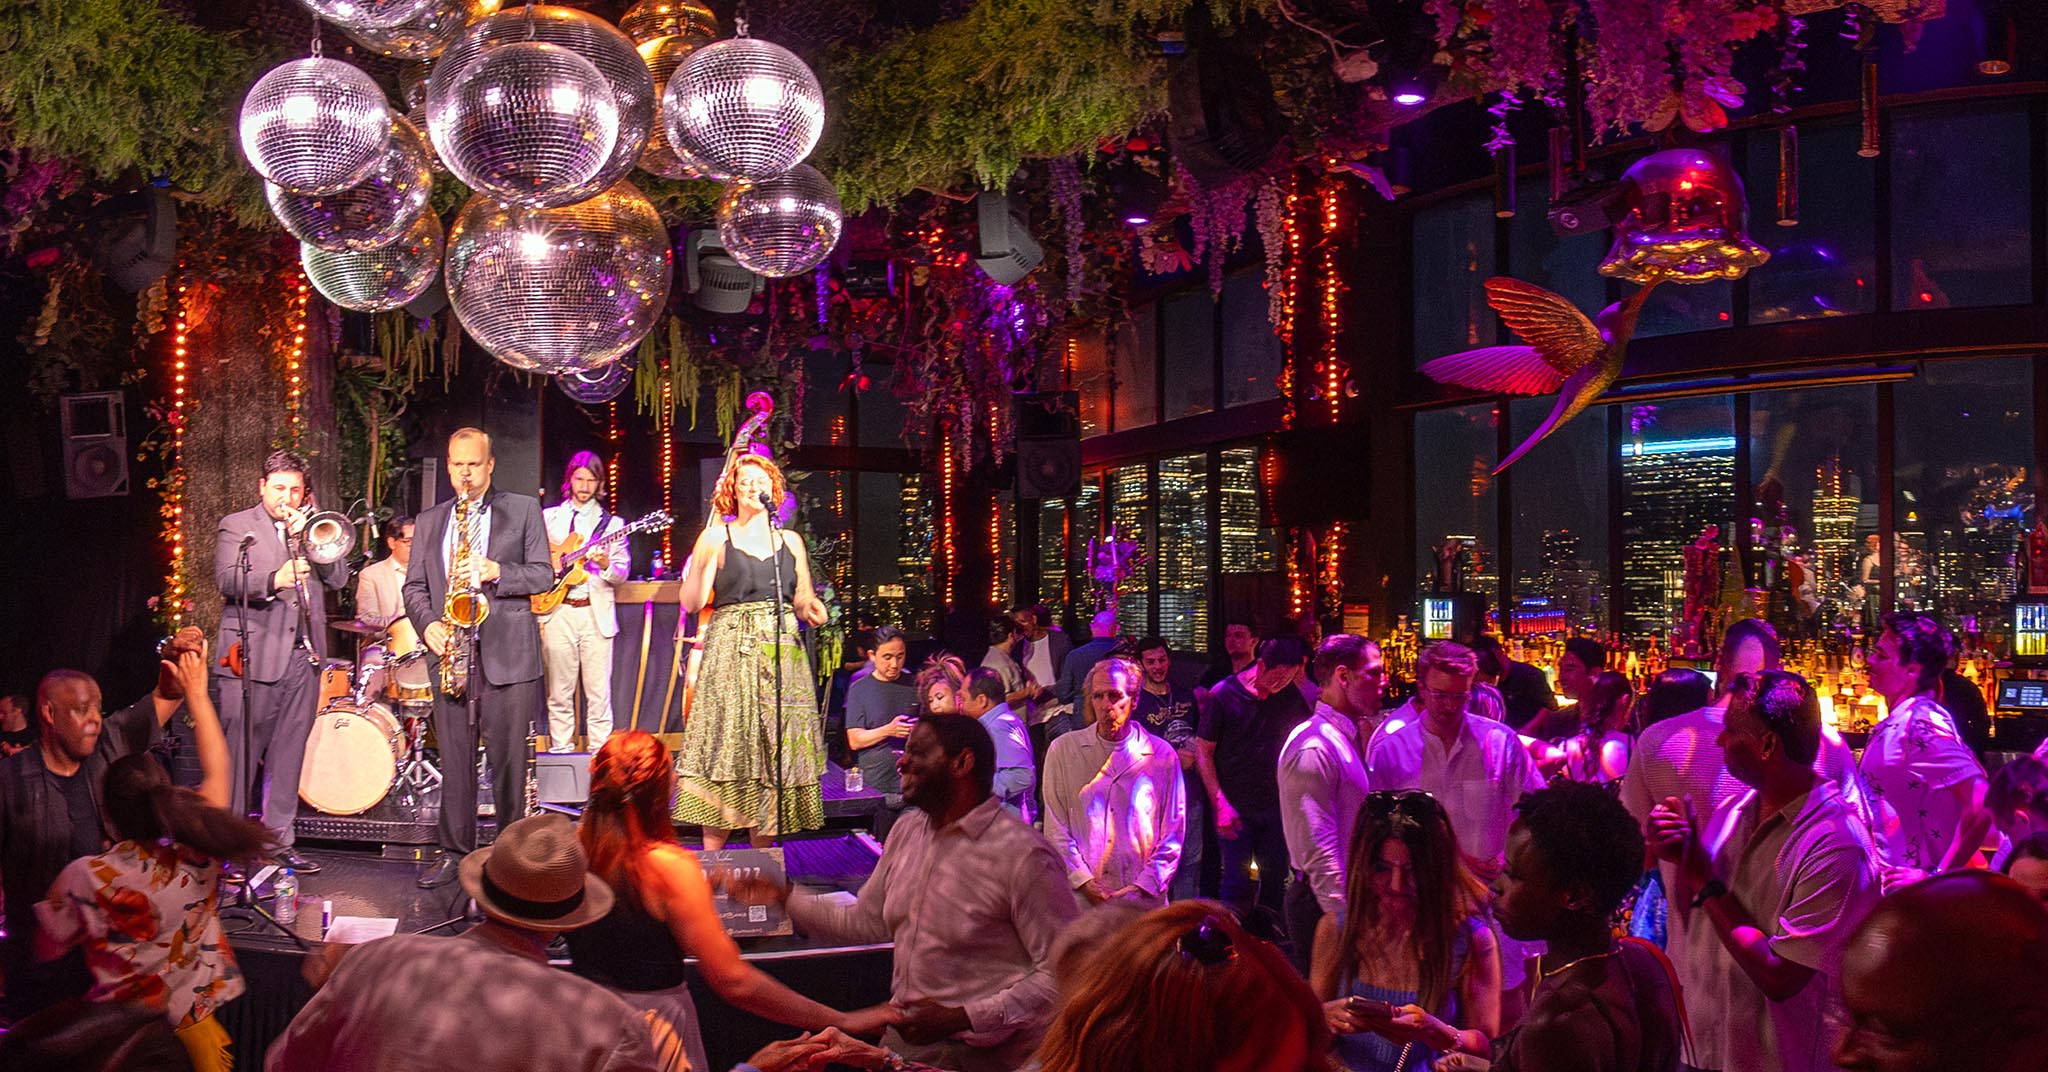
[287,624]
[477,557]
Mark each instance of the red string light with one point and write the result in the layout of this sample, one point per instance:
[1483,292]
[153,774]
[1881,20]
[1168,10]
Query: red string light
[666,429]
[946,546]
[611,465]
[1331,363]
[295,356]
[174,477]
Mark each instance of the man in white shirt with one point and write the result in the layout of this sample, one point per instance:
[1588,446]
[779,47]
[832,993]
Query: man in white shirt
[1323,779]
[1773,882]
[576,638]
[1916,764]
[1115,800]
[972,898]
[981,696]
[378,601]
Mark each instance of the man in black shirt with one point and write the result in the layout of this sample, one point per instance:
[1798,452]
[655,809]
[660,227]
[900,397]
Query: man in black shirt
[1168,710]
[50,811]
[1239,638]
[1524,690]
[1245,722]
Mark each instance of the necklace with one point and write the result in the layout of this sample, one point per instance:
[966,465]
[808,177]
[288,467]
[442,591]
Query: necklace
[1573,964]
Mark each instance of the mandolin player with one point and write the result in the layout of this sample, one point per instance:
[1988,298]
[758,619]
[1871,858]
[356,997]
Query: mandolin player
[576,637]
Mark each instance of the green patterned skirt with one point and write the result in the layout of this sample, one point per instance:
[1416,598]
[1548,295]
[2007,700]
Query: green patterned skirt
[730,772]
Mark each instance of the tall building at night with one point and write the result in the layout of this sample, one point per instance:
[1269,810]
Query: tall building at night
[1569,580]
[1671,489]
[1184,551]
[1247,548]
[1836,551]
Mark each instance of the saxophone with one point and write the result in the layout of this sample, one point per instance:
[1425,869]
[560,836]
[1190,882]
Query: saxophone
[465,607]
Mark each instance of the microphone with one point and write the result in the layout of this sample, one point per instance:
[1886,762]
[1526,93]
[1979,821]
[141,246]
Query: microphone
[375,532]
[767,503]
[248,540]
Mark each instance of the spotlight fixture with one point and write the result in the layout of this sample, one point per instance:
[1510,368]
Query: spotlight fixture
[1136,192]
[1408,93]
[1003,245]
[715,281]
[2001,47]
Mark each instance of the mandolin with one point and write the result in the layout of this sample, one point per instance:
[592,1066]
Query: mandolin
[569,557]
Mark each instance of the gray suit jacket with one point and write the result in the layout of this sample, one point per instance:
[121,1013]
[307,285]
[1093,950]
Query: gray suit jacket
[273,620]
[509,644]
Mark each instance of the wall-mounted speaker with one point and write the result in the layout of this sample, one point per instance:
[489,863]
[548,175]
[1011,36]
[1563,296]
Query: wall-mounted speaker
[1048,444]
[95,430]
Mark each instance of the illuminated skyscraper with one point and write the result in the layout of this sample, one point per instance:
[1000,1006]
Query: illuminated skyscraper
[1130,510]
[1836,551]
[1247,548]
[1184,551]
[1671,489]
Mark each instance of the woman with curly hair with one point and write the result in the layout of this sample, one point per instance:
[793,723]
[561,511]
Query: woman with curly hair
[664,913]
[1409,968]
[938,684]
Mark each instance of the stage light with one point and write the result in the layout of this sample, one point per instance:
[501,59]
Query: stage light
[1408,93]
[1003,245]
[1137,192]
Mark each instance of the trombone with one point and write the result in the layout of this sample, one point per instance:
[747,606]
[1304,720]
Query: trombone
[324,538]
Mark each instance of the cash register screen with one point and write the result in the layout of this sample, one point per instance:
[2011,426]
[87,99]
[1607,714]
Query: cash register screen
[2023,695]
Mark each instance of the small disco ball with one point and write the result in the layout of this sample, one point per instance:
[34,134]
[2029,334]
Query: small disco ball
[374,280]
[315,126]
[527,121]
[557,290]
[374,212]
[590,37]
[748,108]
[649,20]
[781,226]
[428,34]
[597,385]
[367,14]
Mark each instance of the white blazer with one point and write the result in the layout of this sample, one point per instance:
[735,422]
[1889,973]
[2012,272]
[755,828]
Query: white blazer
[602,605]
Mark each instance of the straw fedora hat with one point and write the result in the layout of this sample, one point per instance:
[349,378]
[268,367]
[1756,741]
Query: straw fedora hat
[535,876]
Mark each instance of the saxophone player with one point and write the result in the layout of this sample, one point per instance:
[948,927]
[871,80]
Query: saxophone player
[498,552]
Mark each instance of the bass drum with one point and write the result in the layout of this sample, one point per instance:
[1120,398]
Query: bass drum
[408,678]
[351,758]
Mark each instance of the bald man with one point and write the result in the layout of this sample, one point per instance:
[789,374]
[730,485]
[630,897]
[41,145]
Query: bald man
[1948,974]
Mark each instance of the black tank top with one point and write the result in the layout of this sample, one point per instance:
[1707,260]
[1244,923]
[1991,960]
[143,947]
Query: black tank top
[742,578]
[627,949]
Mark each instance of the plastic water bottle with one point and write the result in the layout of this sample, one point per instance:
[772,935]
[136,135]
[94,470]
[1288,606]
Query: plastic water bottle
[855,781]
[285,898]
[654,569]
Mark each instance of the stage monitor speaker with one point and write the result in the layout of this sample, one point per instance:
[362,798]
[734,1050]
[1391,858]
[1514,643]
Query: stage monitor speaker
[1048,444]
[95,430]
[1313,476]
[562,778]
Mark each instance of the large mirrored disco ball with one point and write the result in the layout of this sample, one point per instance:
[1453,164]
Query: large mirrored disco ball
[1687,221]
[375,280]
[314,126]
[748,108]
[590,37]
[652,19]
[563,289]
[597,385]
[428,34]
[527,121]
[781,226]
[374,212]
[665,56]
[367,14]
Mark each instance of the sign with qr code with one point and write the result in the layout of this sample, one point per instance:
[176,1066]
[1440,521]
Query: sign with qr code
[744,920]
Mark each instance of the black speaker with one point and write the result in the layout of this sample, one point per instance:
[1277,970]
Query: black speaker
[95,429]
[1317,475]
[1048,444]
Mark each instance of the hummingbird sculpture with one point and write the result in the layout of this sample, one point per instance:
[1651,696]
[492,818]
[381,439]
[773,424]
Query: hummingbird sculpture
[1577,358]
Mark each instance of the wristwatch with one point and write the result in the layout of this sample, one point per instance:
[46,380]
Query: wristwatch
[1714,888]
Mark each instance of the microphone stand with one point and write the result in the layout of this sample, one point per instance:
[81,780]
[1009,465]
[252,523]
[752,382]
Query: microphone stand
[253,785]
[775,559]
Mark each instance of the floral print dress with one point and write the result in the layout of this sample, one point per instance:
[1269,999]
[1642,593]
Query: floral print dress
[148,919]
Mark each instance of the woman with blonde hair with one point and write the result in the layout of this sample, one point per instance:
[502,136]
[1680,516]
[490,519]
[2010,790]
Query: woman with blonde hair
[753,750]
[664,911]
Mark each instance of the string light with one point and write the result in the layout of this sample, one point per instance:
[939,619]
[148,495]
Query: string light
[946,558]
[295,356]
[611,466]
[1331,363]
[174,478]
[666,428]
[1068,355]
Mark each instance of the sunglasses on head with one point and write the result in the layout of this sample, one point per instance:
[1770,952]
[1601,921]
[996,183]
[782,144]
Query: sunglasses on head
[1207,943]
[1413,805]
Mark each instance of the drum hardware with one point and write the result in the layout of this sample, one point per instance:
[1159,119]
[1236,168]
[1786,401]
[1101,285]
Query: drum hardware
[358,627]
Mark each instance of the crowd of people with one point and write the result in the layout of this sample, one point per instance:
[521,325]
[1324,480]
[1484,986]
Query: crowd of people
[1701,876]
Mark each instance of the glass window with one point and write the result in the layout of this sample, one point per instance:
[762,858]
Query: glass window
[1184,551]
[1453,256]
[1824,265]
[1965,442]
[1189,340]
[1247,547]
[1961,217]
[1454,495]
[1131,514]
[1676,308]
[893,554]
[824,517]
[1677,477]
[880,415]
[826,398]
[1135,358]
[1813,471]
[1053,556]
[1091,378]
[1251,352]
[1560,522]
[1084,525]
[1568,266]
[1002,548]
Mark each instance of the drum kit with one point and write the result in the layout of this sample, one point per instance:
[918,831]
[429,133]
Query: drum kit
[369,737]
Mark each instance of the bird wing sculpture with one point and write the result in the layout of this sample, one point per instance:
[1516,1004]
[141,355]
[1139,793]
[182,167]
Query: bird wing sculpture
[1577,358]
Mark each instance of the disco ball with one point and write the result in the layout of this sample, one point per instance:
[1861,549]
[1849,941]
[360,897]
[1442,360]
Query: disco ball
[374,212]
[374,280]
[748,108]
[563,289]
[368,14]
[429,33]
[1687,221]
[590,37]
[781,226]
[527,121]
[665,56]
[597,385]
[315,126]
[649,20]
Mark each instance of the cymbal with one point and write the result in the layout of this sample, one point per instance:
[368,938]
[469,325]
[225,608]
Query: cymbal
[360,628]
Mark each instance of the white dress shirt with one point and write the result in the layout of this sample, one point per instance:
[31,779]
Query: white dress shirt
[1323,776]
[480,539]
[973,909]
[1914,757]
[1478,778]
[1116,811]
[565,517]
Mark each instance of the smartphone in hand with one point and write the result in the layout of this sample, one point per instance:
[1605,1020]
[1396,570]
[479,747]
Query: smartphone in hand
[1370,1008]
